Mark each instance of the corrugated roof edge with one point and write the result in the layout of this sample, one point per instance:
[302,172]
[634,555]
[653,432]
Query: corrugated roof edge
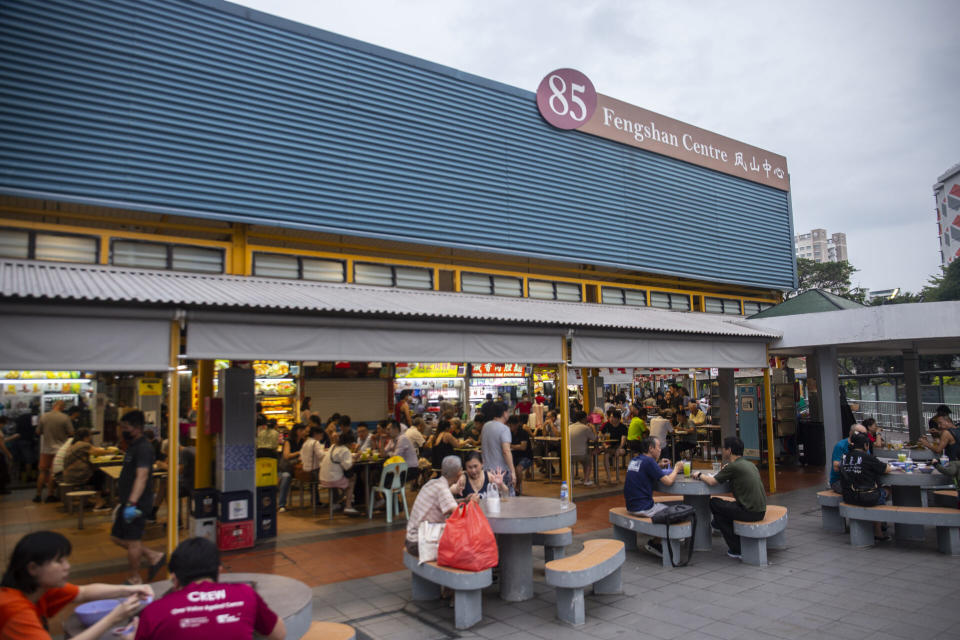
[19,281]
[300,28]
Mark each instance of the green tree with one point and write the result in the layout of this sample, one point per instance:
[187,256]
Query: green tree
[945,286]
[829,276]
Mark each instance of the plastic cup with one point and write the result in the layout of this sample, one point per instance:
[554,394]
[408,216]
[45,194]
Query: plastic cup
[686,467]
[716,467]
[902,457]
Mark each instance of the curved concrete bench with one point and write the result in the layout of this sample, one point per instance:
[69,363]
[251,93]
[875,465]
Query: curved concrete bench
[945,519]
[626,526]
[330,631]
[830,519]
[598,565]
[945,498]
[755,537]
[553,542]
[427,578]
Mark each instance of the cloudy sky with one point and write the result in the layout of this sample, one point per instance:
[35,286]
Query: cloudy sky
[863,98]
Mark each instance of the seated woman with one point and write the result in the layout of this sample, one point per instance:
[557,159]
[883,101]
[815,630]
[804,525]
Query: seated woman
[337,470]
[35,588]
[77,468]
[442,444]
[476,480]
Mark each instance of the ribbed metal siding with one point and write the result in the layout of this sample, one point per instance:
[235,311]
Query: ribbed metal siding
[179,106]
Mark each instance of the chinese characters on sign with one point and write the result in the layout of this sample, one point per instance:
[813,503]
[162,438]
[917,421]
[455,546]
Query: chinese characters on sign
[567,100]
[429,370]
[492,370]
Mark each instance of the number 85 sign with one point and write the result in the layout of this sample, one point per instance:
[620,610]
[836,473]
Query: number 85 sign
[566,98]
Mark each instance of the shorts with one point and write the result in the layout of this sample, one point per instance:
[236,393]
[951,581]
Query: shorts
[525,463]
[580,459]
[46,461]
[123,530]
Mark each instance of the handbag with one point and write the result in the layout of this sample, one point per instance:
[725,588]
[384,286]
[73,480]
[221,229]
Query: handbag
[467,542]
[428,539]
[672,514]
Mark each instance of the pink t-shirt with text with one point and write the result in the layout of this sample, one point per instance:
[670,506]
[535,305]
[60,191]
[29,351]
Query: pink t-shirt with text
[207,610]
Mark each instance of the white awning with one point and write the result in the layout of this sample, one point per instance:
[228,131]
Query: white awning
[55,342]
[248,341]
[589,351]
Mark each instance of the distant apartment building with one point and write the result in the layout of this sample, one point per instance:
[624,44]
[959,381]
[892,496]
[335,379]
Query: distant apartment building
[819,247]
[885,294]
[947,194]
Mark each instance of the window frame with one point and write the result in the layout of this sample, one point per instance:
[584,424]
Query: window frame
[32,242]
[723,305]
[393,275]
[553,284]
[670,297]
[491,280]
[299,259]
[623,296]
[169,259]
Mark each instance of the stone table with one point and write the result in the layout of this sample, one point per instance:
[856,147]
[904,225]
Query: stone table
[697,494]
[288,598]
[907,489]
[519,518]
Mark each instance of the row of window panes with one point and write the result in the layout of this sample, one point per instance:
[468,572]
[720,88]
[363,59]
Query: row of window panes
[614,295]
[158,255]
[545,290]
[750,307]
[491,285]
[672,301]
[721,305]
[273,265]
[35,245]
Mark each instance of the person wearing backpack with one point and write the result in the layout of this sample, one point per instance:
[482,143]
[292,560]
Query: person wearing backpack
[644,471]
[860,473]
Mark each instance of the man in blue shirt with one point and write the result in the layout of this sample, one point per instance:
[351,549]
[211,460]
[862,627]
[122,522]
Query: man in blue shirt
[643,474]
[839,449]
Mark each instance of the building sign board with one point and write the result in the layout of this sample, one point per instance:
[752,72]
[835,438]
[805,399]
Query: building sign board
[567,100]
[429,370]
[494,370]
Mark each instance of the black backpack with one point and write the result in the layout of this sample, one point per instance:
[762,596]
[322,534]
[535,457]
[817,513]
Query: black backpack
[677,513]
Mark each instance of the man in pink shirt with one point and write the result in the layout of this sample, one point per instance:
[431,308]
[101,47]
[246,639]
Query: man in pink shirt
[200,608]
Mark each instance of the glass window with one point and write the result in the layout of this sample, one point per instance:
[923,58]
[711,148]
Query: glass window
[672,301]
[272,265]
[721,305]
[540,289]
[376,274]
[568,291]
[146,255]
[475,283]
[413,277]
[199,259]
[750,308]
[323,270]
[14,244]
[507,286]
[614,295]
[65,248]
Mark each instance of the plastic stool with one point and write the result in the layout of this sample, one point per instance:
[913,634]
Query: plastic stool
[330,631]
[80,496]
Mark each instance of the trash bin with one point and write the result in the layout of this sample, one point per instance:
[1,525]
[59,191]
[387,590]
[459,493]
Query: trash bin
[811,450]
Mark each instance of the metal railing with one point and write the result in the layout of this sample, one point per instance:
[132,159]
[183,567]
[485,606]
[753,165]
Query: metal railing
[892,416]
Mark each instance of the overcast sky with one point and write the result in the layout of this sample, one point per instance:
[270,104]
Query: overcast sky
[863,98]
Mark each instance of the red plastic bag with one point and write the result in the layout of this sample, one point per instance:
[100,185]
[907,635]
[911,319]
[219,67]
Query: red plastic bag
[467,542]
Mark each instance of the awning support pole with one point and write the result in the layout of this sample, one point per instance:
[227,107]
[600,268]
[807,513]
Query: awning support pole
[563,406]
[768,405]
[202,476]
[173,439]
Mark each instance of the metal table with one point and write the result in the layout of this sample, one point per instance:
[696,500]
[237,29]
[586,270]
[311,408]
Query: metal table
[697,494]
[288,598]
[519,518]
[907,489]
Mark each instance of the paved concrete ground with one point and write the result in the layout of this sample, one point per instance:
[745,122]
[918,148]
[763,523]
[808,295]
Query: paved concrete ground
[817,588]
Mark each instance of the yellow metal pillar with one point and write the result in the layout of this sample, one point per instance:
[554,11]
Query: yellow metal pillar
[202,478]
[239,255]
[768,405]
[173,440]
[564,408]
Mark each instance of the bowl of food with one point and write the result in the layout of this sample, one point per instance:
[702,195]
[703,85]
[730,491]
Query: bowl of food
[92,612]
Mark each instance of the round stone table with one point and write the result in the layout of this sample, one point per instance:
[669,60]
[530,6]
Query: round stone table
[907,489]
[519,518]
[697,494]
[288,598]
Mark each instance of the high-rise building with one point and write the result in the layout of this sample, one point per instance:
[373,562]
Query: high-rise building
[818,247]
[947,194]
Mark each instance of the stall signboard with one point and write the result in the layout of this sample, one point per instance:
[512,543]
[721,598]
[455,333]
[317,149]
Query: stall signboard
[430,370]
[610,375]
[39,375]
[271,369]
[150,386]
[567,100]
[495,370]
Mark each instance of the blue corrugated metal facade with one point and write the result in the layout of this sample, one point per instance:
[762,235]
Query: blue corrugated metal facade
[211,110]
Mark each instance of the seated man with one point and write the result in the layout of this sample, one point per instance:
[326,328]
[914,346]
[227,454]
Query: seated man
[520,445]
[750,500]
[643,474]
[580,435]
[435,501]
[199,607]
[838,450]
[860,473]
[947,438]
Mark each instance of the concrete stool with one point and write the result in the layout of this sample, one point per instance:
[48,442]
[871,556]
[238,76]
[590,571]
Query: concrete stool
[598,565]
[829,502]
[553,542]
[427,578]
[330,631]
[81,498]
[756,536]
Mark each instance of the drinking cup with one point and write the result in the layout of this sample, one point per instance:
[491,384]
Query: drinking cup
[716,468]
[686,467]
[902,457]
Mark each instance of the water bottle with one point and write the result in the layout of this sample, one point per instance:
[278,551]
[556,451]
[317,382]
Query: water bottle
[564,496]
[944,459]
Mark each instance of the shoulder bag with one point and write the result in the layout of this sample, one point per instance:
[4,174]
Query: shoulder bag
[677,513]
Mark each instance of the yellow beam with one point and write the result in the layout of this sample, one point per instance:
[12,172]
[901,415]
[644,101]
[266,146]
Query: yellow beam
[202,478]
[240,254]
[173,440]
[564,408]
[768,404]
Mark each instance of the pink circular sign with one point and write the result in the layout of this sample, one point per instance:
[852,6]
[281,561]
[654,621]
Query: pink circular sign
[566,98]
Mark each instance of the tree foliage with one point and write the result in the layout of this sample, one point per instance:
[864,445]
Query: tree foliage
[829,276]
[945,286]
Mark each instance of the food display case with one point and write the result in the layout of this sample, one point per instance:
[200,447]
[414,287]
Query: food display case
[20,389]
[276,390]
[431,382]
